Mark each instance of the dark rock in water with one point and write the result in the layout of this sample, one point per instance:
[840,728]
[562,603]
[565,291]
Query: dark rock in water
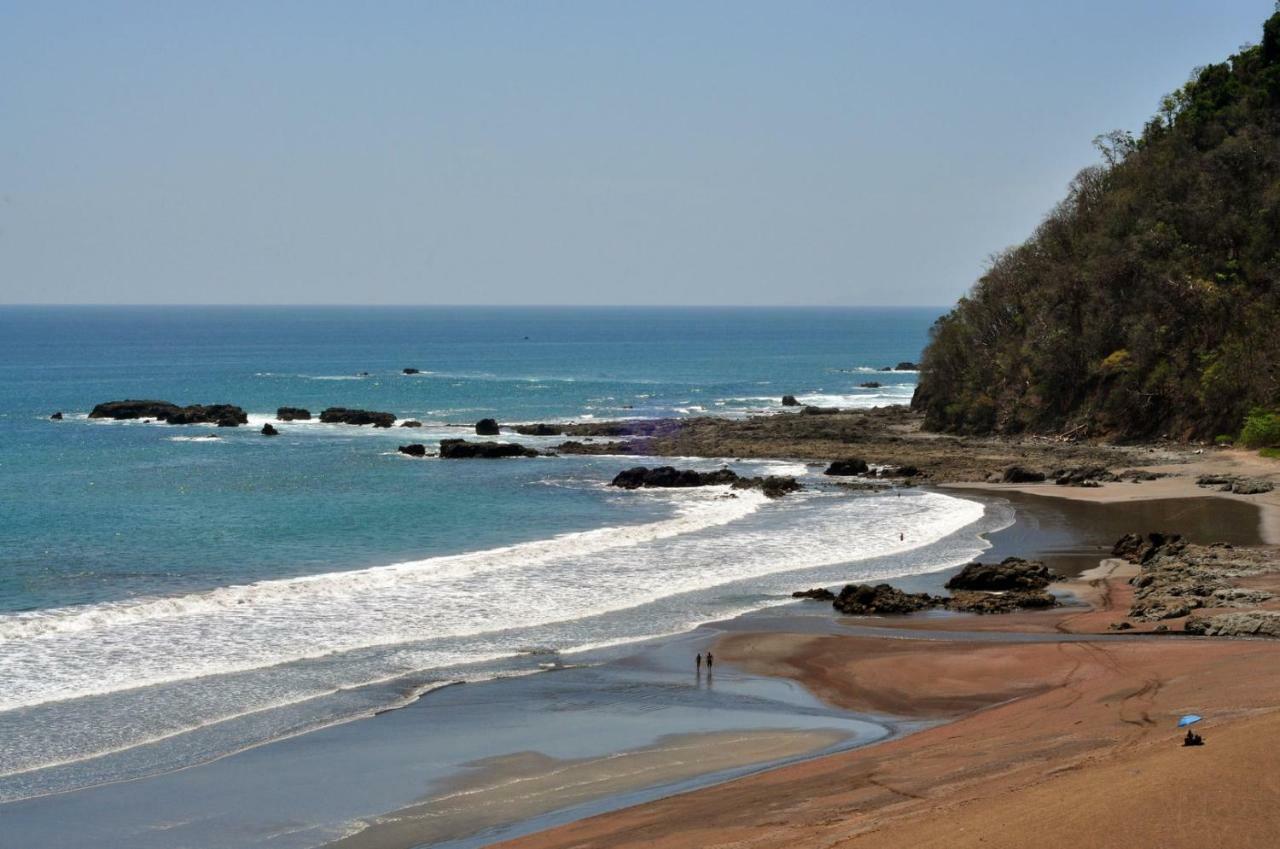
[819,411]
[134,409]
[1008,602]
[900,472]
[819,594]
[773,486]
[57,417]
[906,366]
[1012,573]
[671,477]
[459,449]
[486,427]
[417,449]
[1018,474]
[410,423]
[293,414]
[539,429]
[790,401]
[862,599]
[412,371]
[269,430]
[849,466]
[342,415]
[871,384]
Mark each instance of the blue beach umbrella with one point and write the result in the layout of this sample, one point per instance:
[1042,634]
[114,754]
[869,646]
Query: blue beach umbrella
[1189,719]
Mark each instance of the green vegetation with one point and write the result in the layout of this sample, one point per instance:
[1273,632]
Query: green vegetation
[1148,302]
[1261,429]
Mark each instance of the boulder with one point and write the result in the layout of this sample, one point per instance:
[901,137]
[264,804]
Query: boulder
[1018,474]
[461,449]
[1252,623]
[906,366]
[773,486]
[671,477]
[411,371]
[342,415]
[1012,573]
[1007,602]
[269,430]
[847,466]
[410,423]
[539,429]
[486,427]
[417,449]
[819,594]
[871,384]
[1083,476]
[57,417]
[1251,486]
[790,401]
[819,411]
[862,599]
[293,414]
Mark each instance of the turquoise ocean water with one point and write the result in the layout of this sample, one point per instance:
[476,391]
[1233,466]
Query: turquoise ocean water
[165,598]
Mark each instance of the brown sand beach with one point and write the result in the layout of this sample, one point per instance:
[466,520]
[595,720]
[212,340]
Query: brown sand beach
[1063,737]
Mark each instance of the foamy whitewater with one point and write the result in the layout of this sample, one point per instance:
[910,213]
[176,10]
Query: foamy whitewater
[167,597]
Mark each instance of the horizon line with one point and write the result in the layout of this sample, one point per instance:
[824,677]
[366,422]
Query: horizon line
[339,305]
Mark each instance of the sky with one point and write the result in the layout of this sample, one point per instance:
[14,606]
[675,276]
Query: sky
[594,152]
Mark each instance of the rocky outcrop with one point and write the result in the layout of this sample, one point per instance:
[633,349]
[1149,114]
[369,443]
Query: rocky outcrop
[846,467]
[863,599]
[790,401]
[819,594]
[1178,577]
[411,371]
[1238,485]
[269,430]
[410,423]
[819,411]
[342,415]
[1007,602]
[57,417]
[773,486]
[1019,474]
[1252,623]
[461,449]
[539,429]
[871,384]
[899,472]
[906,366]
[486,427]
[1139,549]
[1083,476]
[1012,573]
[671,477]
[417,449]
[293,414]
[223,415]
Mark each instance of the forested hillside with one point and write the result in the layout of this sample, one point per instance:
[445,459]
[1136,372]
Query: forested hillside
[1148,301]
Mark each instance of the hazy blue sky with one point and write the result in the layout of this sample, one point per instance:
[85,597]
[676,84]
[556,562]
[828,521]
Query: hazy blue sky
[559,152]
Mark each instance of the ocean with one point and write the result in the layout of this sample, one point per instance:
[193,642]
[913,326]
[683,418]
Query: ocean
[166,598]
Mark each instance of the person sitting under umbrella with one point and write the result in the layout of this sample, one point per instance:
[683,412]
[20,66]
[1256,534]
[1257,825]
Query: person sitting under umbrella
[1192,739]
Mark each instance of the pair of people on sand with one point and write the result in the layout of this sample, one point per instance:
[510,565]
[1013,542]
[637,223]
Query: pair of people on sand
[1192,739]
[710,661]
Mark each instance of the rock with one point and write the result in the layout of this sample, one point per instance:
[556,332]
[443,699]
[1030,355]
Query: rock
[1018,474]
[1252,623]
[133,409]
[671,477]
[459,449]
[1083,476]
[819,411]
[1139,475]
[1012,573]
[223,415]
[790,401]
[417,449]
[486,427]
[871,384]
[1007,602]
[862,599]
[539,430]
[848,466]
[1137,549]
[411,371]
[1122,625]
[899,472]
[773,486]
[293,414]
[819,594]
[269,430]
[57,417]
[1251,486]
[342,415]
[410,423]
[906,366]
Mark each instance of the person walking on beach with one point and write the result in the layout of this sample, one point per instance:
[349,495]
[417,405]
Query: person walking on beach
[710,660]
[698,661]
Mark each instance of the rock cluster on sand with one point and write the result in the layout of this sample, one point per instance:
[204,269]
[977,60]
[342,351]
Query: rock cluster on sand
[1019,474]
[1178,577]
[342,415]
[1006,602]
[1238,485]
[223,415]
[848,466]
[863,599]
[487,427]
[293,414]
[1012,573]
[1252,623]
[669,477]
[461,449]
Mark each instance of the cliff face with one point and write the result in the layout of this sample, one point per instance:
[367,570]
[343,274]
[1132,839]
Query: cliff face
[1148,301]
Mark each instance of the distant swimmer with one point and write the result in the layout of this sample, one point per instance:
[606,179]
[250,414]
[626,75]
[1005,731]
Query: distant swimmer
[901,537]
